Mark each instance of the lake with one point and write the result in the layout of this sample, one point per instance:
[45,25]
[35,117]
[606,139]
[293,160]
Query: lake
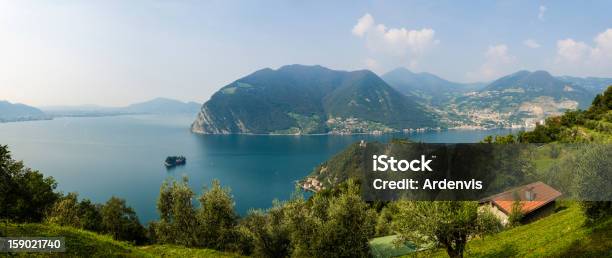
[123,156]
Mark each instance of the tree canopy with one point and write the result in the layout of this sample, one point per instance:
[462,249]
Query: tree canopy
[448,223]
[25,194]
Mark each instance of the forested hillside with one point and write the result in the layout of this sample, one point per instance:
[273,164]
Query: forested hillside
[298,99]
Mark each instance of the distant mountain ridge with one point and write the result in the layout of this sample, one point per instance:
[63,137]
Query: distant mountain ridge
[517,100]
[299,99]
[426,85]
[19,112]
[593,84]
[542,83]
[155,106]
[163,106]
[521,99]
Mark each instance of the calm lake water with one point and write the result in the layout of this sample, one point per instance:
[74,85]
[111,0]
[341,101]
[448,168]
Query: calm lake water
[123,156]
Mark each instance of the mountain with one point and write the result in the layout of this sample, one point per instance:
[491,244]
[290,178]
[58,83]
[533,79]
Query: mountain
[541,83]
[593,84]
[521,99]
[162,106]
[81,111]
[154,106]
[299,99]
[517,100]
[78,108]
[19,112]
[525,85]
[426,85]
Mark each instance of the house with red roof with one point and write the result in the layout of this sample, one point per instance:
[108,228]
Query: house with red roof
[536,199]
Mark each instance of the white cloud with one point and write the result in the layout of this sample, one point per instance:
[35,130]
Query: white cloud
[541,12]
[498,62]
[580,57]
[603,48]
[363,24]
[530,43]
[571,50]
[498,52]
[394,42]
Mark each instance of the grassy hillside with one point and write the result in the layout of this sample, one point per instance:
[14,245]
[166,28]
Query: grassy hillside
[82,243]
[562,234]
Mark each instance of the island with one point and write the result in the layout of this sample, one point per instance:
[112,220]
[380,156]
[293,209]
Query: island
[173,161]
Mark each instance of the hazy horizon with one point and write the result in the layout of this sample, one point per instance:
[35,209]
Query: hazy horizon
[115,53]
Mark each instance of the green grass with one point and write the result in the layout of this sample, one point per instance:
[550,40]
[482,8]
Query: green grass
[179,251]
[385,247]
[82,243]
[562,234]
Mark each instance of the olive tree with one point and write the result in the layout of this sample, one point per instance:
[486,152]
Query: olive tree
[65,211]
[216,217]
[177,224]
[593,179]
[447,223]
[331,225]
[268,231]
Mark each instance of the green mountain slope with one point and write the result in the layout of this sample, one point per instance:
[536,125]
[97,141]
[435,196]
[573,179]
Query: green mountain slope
[82,243]
[299,99]
[562,234]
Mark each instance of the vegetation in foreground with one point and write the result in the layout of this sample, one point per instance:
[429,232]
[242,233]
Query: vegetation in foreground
[83,243]
[563,234]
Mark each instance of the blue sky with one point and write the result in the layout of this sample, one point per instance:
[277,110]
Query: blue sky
[119,52]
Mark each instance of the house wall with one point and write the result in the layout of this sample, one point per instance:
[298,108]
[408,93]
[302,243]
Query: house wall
[503,218]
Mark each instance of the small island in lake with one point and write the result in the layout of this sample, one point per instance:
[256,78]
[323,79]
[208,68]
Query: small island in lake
[173,161]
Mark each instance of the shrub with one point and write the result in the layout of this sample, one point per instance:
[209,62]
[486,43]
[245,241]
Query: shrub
[516,214]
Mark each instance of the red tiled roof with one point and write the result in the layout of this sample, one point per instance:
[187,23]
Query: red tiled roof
[543,194]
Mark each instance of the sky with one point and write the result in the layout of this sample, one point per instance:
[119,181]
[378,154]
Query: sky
[115,53]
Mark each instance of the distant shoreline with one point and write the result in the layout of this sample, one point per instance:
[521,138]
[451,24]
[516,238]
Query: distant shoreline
[54,116]
[390,133]
[413,131]
[25,120]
